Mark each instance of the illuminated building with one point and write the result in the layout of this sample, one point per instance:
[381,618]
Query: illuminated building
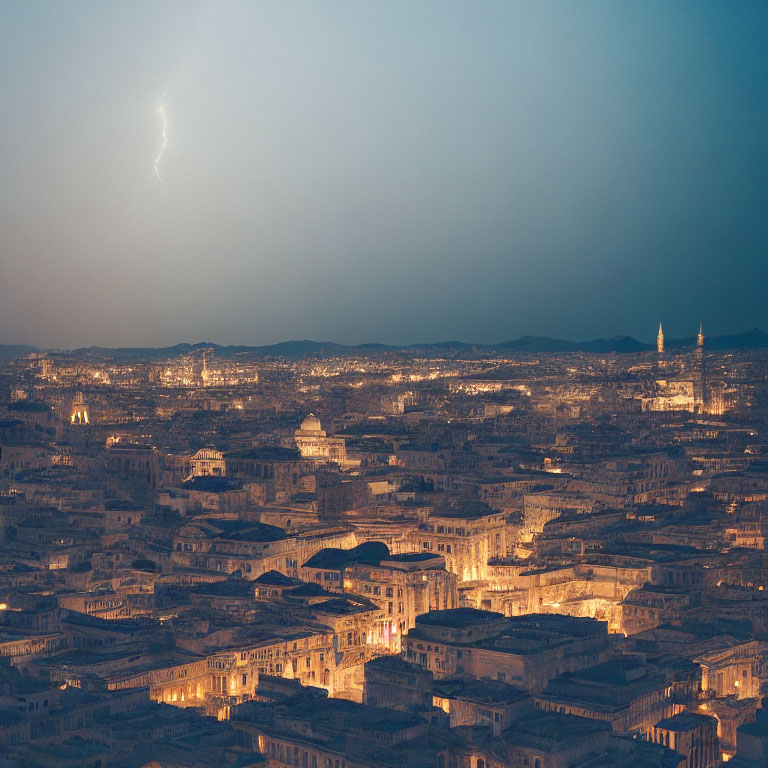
[208,461]
[78,413]
[692,735]
[625,693]
[526,651]
[312,442]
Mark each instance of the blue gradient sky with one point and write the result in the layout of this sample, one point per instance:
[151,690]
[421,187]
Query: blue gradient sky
[381,171]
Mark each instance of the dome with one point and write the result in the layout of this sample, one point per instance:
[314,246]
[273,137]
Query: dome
[311,424]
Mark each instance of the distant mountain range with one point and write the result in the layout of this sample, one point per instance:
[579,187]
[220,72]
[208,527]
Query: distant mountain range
[754,339]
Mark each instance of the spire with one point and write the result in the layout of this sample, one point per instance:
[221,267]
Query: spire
[700,337]
[660,340]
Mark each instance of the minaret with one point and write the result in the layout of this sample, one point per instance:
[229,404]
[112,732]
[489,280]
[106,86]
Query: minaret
[660,341]
[702,375]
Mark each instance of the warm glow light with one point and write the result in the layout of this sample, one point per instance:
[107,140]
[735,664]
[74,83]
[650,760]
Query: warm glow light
[3,606]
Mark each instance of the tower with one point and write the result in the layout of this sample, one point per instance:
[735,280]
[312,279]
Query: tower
[660,340]
[701,379]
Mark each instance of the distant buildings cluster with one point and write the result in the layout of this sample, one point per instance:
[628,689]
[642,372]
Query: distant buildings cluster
[487,561]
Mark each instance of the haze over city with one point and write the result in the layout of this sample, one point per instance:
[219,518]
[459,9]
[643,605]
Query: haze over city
[380,172]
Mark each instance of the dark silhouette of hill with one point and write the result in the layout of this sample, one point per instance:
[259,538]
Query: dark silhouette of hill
[12,351]
[754,339]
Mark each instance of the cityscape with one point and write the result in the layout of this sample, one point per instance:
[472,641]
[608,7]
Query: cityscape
[449,556]
[383,384]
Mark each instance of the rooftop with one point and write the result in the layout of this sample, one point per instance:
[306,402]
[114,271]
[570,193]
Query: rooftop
[458,617]
[686,721]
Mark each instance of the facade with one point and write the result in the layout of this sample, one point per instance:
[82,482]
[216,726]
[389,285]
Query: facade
[692,735]
[467,535]
[524,651]
[78,413]
[623,693]
[404,587]
[208,462]
[732,671]
[313,443]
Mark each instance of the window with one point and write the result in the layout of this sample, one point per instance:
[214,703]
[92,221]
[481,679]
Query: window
[389,591]
[245,679]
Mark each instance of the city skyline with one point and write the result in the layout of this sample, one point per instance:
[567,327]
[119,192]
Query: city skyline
[754,338]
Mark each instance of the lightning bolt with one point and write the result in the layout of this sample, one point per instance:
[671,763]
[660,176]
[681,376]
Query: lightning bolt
[164,135]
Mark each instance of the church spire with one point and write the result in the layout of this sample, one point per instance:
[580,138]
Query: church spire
[700,336]
[660,340]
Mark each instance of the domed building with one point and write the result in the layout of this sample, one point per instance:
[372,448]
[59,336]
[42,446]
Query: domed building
[310,427]
[312,442]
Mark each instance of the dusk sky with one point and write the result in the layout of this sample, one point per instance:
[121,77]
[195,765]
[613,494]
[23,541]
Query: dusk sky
[381,171]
